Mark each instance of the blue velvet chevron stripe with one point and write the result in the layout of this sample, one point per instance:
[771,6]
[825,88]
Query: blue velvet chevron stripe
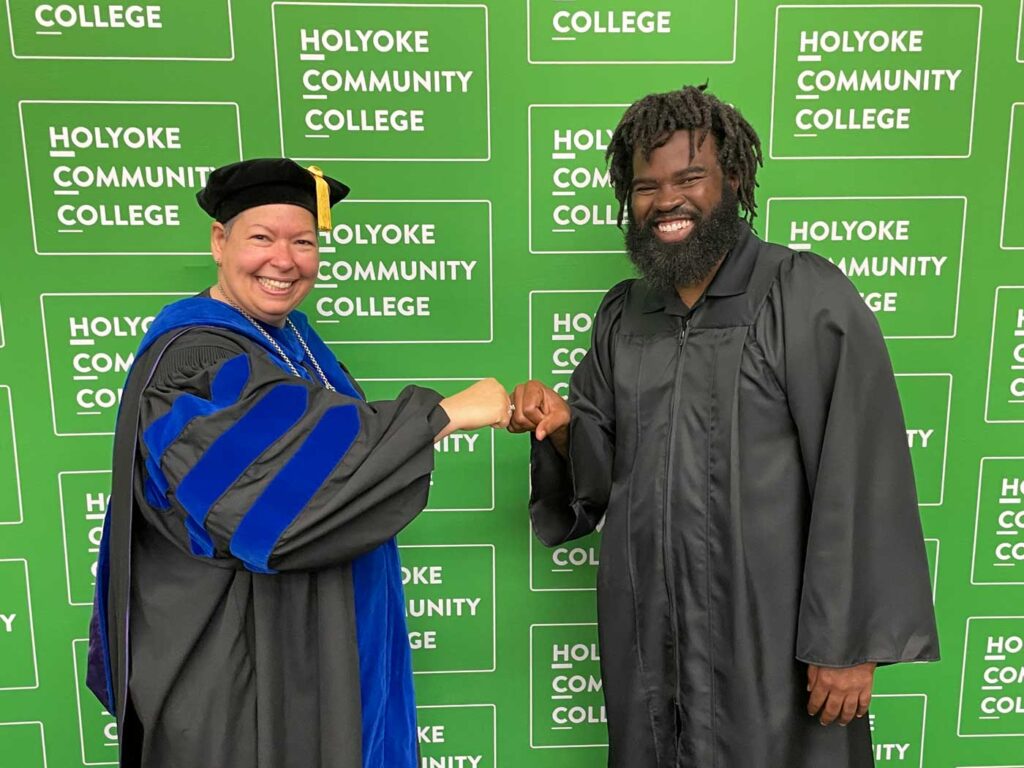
[292,488]
[225,390]
[230,455]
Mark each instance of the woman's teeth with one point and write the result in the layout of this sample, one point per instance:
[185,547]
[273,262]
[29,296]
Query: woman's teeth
[277,285]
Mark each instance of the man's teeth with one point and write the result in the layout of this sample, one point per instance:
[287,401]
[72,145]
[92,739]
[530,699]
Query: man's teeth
[277,284]
[675,225]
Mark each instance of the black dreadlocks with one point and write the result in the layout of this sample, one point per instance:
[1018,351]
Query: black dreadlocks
[651,121]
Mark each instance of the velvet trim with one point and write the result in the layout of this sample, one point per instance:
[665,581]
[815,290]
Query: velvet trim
[291,489]
[231,454]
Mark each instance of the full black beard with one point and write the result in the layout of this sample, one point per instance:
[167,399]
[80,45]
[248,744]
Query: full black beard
[667,266]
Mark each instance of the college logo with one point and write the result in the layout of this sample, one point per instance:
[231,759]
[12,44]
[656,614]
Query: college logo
[617,32]
[904,254]
[456,457]
[572,207]
[120,177]
[566,693]
[449,607]
[20,669]
[382,81]
[406,271]
[90,341]
[863,81]
[897,724]
[1004,399]
[992,683]
[120,31]
[561,323]
[83,505]
[457,735]
[926,400]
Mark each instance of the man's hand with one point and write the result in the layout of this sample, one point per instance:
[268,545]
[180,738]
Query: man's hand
[539,409]
[839,694]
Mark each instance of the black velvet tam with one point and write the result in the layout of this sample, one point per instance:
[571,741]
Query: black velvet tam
[233,188]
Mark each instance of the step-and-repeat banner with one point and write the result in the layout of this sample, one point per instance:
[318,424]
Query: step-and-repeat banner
[478,241]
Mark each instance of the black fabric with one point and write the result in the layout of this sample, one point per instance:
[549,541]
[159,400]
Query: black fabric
[233,188]
[749,459]
[232,668]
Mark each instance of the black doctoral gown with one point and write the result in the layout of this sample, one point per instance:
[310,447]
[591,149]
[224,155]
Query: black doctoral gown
[750,460]
[249,583]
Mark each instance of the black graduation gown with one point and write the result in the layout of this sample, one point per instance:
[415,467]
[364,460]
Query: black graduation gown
[246,646]
[750,460]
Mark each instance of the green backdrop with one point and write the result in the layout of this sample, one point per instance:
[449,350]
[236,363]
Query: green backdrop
[478,241]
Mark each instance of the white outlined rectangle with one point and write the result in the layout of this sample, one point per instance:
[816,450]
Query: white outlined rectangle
[28,173]
[490,287]
[78,704]
[924,712]
[991,357]
[963,677]
[963,231]
[494,721]
[494,606]
[46,350]
[529,316]
[64,524]
[42,735]
[554,746]
[1020,60]
[491,432]
[1006,182]
[977,524]
[3,339]
[230,57]
[529,171]
[31,629]
[730,60]
[945,437]
[935,573]
[322,158]
[533,543]
[775,58]
[14,450]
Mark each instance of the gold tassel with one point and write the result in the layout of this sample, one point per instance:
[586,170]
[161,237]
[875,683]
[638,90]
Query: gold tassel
[323,199]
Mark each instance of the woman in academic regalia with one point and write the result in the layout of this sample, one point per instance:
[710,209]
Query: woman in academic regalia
[249,603]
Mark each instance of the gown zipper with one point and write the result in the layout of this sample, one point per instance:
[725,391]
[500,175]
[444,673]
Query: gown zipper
[670,589]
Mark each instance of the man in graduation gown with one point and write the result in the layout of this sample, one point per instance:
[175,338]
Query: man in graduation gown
[736,427]
[250,608]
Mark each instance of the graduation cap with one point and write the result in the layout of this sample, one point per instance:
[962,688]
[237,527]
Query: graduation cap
[233,188]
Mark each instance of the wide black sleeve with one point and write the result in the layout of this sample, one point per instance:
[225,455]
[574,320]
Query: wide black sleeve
[246,463]
[866,592]
[568,497]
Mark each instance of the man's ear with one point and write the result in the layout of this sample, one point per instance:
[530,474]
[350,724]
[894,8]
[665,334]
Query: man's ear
[734,182]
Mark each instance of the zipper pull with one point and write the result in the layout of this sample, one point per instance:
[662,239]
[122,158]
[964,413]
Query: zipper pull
[682,331]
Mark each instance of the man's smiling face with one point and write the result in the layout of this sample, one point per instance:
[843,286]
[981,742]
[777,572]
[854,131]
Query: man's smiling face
[685,214]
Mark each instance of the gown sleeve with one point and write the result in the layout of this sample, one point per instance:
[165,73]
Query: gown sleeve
[247,464]
[568,497]
[866,592]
